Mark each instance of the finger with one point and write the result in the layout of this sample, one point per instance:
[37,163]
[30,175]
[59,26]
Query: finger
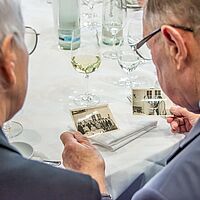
[174,125]
[177,130]
[180,121]
[81,138]
[183,129]
[179,126]
[67,137]
[188,125]
[179,111]
[170,119]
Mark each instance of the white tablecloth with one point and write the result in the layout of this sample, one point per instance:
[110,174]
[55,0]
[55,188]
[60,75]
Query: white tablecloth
[52,84]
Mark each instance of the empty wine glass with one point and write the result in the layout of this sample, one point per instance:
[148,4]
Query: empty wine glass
[91,15]
[133,38]
[49,1]
[128,61]
[86,59]
[12,128]
[114,18]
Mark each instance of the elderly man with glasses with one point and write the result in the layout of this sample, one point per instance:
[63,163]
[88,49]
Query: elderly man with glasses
[20,178]
[171,30]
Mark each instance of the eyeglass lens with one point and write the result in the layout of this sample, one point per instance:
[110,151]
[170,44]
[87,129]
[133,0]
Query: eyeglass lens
[30,39]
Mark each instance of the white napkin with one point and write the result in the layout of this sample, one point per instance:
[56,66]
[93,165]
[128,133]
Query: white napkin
[114,140]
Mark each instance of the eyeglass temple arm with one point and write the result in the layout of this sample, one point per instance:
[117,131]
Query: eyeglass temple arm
[145,39]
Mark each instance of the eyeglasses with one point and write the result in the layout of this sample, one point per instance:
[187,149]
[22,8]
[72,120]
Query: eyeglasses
[138,46]
[31,39]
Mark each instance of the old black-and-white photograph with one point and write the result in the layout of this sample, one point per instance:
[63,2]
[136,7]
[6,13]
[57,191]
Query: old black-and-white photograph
[90,121]
[149,101]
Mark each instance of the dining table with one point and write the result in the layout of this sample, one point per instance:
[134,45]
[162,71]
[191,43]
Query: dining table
[53,83]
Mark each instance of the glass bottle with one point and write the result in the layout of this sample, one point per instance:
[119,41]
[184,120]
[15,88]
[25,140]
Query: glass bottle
[67,20]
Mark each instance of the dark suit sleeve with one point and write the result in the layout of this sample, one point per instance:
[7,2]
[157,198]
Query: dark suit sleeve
[148,194]
[23,179]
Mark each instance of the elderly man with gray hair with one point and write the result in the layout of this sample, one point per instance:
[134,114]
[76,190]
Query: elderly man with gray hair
[171,30]
[20,178]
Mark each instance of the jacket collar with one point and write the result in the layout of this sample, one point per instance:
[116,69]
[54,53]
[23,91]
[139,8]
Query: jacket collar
[195,132]
[5,144]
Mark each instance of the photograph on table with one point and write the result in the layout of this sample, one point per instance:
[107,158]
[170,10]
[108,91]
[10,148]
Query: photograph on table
[150,101]
[94,120]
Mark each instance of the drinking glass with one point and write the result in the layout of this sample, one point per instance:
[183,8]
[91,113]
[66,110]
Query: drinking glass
[128,61]
[91,15]
[133,37]
[135,4]
[12,128]
[114,18]
[86,59]
[49,1]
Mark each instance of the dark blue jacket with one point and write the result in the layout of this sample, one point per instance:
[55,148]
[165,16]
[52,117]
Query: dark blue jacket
[23,179]
[180,178]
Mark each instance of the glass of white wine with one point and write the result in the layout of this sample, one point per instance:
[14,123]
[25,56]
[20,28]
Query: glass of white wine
[87,59]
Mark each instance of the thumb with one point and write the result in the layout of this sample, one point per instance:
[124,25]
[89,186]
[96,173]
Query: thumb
[67,137]
[179,111]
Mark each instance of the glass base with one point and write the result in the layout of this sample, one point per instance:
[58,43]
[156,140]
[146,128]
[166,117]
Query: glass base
[110,54]
[86,100]
[125,82]
[12,129]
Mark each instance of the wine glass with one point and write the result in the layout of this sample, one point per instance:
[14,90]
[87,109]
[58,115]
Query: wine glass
[135,4]
[86,59]
[12,128]
[91,15]
[49,1]
[133,37]
[128,61]
[114,19]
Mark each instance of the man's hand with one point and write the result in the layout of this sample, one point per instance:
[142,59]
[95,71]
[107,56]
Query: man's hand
[181,120]
[80,155]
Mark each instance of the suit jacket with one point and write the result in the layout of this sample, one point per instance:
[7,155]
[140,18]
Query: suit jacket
[180,178]
[23,179]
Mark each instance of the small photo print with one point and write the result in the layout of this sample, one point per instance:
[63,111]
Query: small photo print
[150,101]
[94,120]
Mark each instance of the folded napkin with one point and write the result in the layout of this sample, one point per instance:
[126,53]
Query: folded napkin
[114,140]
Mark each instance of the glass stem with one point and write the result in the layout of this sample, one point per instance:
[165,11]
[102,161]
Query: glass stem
[87,84]
[128,82]
[113,44]
[92,16]
[91,7]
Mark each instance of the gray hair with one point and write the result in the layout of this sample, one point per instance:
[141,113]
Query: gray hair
[183,12]
[11,20]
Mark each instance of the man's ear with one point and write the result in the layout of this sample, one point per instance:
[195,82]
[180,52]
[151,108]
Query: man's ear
[7,65]
[176,45]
